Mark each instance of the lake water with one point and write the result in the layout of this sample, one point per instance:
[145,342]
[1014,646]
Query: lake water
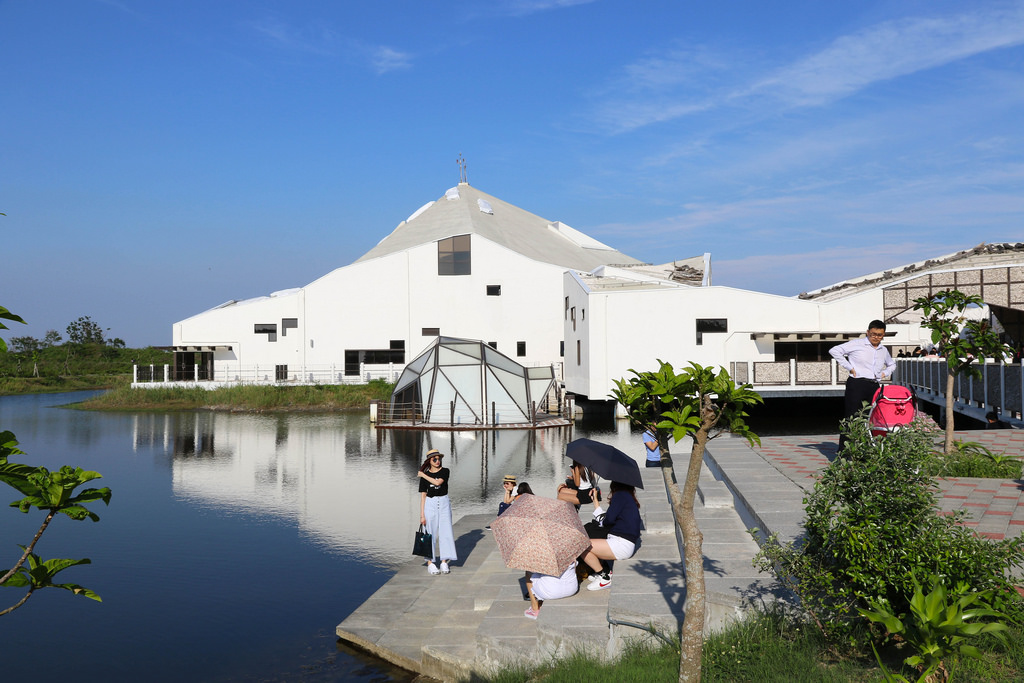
[234,544]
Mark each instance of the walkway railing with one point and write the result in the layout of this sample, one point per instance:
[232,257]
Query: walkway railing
[791,373]
[1000,389]
[226,374]
[454,415]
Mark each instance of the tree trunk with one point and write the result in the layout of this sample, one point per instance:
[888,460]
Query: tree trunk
[947,447]
[692,639]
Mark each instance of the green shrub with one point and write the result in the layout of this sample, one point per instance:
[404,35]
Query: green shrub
[872,527]
[971,459]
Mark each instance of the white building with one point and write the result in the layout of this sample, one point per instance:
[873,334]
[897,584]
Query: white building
[467,265]
[618,319]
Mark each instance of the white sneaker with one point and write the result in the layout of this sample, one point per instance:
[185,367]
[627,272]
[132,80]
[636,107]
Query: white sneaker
[432,568]
[444,568]
[600,583]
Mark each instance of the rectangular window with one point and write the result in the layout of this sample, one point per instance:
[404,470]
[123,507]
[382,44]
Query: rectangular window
[710,325]
[431,331]
[566,308]
[288,324]
[397,345]
[453,256]
[356,357]
[280,372]
[561,349]
[269,329]
[493,290]
[578,352]
[520,349]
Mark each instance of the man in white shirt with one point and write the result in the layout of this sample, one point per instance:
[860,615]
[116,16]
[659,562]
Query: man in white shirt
[868,362]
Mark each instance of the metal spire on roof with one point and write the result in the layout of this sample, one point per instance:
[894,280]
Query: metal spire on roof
[462,170]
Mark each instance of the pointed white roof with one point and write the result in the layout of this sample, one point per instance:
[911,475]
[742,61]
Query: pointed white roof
[466,210]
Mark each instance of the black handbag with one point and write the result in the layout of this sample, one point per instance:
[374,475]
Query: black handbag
[423,545]
[595,528]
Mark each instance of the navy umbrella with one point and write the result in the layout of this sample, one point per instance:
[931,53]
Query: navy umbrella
[606,461]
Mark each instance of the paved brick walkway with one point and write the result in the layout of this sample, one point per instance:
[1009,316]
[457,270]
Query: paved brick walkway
[995,507]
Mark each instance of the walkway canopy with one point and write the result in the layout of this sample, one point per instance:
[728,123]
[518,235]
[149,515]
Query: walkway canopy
[464,381]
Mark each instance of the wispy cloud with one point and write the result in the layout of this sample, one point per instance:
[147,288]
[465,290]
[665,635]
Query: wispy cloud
[789,274]
[892,49]
[524,7]
[384,59]
[682,82]
[314,39]
[322,40]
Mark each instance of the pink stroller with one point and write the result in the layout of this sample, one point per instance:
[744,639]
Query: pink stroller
[891,408]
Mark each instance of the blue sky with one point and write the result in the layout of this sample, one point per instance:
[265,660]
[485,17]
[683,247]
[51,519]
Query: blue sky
[158,159]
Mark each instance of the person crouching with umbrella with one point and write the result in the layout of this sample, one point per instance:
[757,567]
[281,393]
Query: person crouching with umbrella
[541,587]
[436,510]
[622,522]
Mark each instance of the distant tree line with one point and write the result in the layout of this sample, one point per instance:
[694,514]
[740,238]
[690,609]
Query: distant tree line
[87,351]
[82,332]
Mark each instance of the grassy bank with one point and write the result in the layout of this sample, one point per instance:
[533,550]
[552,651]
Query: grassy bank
[246,398]
[770,647]
[72,367]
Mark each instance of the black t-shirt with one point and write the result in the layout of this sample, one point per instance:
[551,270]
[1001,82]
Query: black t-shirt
[435,491]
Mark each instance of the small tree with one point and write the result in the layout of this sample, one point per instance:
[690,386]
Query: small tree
[704,404]
[53,492]
[25,344]
[85,331]
[52,338]
[962,341]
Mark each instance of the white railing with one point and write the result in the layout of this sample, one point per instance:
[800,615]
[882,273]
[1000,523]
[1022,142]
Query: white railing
[227,374]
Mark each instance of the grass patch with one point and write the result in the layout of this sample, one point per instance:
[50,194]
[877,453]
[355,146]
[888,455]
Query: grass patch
[770,645]
[243,398]
[971,459]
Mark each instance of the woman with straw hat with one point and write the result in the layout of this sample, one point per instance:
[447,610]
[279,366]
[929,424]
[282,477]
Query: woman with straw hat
[436,511]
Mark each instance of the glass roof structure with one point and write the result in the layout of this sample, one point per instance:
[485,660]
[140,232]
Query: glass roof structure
[465,381]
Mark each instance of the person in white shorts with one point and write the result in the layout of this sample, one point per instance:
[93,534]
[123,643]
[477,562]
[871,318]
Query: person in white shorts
[541,587]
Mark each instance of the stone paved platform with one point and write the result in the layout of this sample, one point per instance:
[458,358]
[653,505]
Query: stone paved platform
[471,621]
[449,627]
[995,508]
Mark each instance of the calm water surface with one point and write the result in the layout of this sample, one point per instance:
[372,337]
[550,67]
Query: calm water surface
[234,544]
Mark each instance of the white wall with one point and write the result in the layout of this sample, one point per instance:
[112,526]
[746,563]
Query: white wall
[635,328]
[370,303]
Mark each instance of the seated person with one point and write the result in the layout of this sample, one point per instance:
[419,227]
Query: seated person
[623,523]
[541,587]
[509,487]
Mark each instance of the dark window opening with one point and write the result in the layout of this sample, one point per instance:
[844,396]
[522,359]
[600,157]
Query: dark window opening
[431,331]
[566,308]
[453,256]
[493,290]
[520,348]
[710,325]
[280,372]
[288,324]
[356,357]
[578,354]
[803,351]
[493,345]
[397,345]
[561,349]
[269,329]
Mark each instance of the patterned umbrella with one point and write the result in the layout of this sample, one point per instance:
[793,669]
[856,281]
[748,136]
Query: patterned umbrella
[540,535]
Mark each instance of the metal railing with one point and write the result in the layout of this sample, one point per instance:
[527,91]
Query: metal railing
[1000,389]
[455,415]
[222,373]
[791,373]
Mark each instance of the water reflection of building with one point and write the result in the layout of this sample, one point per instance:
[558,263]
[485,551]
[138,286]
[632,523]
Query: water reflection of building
[351,487]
